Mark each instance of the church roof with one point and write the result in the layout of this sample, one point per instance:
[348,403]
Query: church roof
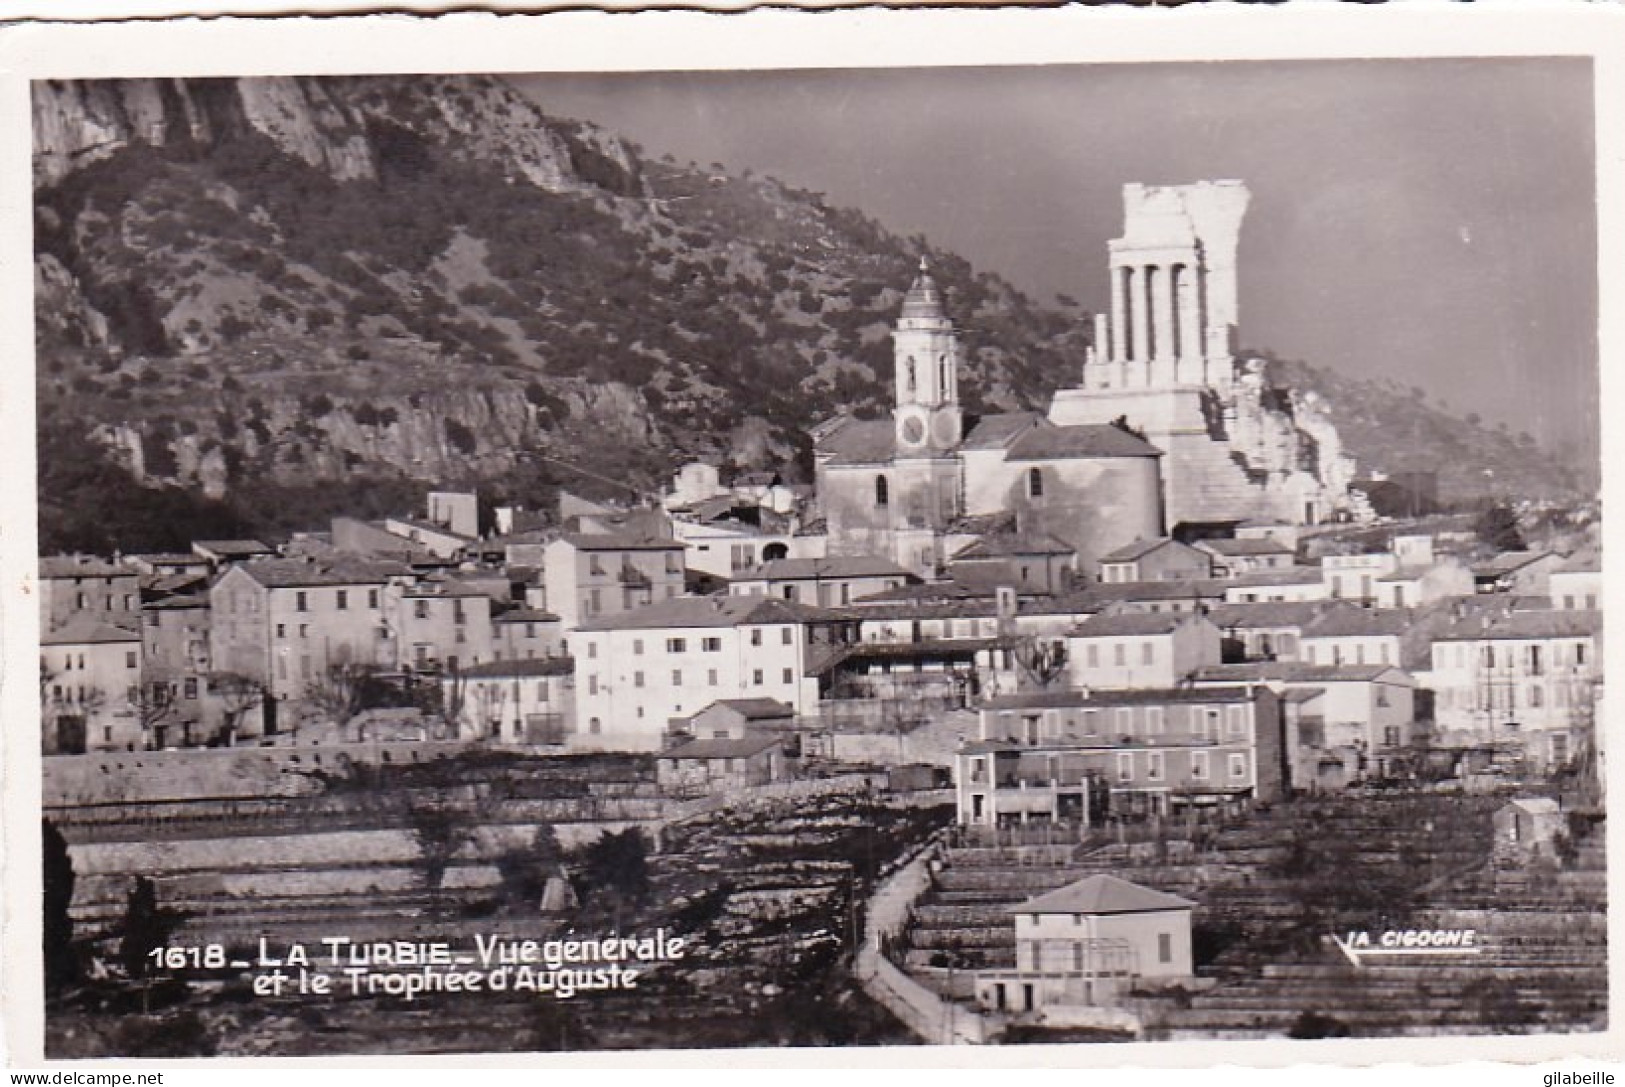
[998,431]
[924,299]
[1078,443]
[862,441]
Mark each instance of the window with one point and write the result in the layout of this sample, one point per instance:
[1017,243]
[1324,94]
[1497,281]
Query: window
[541,692]
[756,677]
[595,602]
[1035,483]
[1119,654]
[676,677]
[637,679]
[1089,717]
[189,687]
[1125,722]
[786,636]
[1153,766]
[129,660]
[711,677]
[594,726]
[637,647]
[1238,765]
[281,630]
[676,645]
[789,675]
[372,598]
[1198,765]
[595,565]
[1148,653]
[592,684]
[882,491]
[1125,766]
[1536,698]
[711,645]
[1579,652]
[756,636]
[1154,720]
[420,609]
[300,603]
[304,630]
[342,599]
[1165,947]
[1210,723]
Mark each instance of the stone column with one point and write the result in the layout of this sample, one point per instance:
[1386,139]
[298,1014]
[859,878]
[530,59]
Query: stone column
[1119,322]
[1162,314]
[1142,315]
[1190,324]
[1103,350]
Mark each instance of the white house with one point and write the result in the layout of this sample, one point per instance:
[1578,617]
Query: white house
[1088,942]
[526,701]
[90,671]
[1134,650]
[641,675]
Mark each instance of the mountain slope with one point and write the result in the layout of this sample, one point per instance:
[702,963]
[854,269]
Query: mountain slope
[300,295]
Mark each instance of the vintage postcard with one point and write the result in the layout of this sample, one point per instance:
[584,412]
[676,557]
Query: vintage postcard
[860,531]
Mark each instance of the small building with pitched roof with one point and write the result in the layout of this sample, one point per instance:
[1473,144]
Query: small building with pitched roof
[1089,943]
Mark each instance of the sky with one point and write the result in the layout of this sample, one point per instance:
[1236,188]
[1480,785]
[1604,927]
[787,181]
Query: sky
[1430,221]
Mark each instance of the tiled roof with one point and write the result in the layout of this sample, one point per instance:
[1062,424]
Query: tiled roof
[1287,575]
[998,431]
[298,572]
[1508,561]
[1099,894]
[86,629]
[1524,624]
[60,566]
[862,441]
[1290,672]
[756,709]
[1130,624]
[1032,543]
[1360,623]
[836,566]
[1075,699]
[711,611]
[525,615]
[1273,613]
[609,541]
[230,548]
[1137,549]
[1078,442]
[530,666]
[1238,548]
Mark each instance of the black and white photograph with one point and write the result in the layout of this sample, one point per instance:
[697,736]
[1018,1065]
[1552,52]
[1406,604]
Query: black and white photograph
[847,555]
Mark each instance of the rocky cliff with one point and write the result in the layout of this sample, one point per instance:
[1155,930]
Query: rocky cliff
[339,290]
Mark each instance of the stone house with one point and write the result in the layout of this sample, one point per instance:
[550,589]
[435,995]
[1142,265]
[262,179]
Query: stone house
[642,674]
[1138,650]
[1232,557]
[1577,584]
[590,577]
[1287,584]
[1088,944]
[438,625]
[90,674]
[526,633]
[175,667]
[1159,559]
[80,585]
[529,702]
[1046,756]
[835,581]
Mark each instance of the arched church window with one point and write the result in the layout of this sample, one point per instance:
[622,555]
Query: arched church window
[882,491]
[942,375]
[1035,483]
[911,382]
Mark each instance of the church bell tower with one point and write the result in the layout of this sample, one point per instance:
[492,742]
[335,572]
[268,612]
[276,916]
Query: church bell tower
[928,418]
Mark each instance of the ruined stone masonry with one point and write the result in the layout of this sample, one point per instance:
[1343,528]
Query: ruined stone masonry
[1164,360]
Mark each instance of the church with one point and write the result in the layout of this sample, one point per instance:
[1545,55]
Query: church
[1167,431]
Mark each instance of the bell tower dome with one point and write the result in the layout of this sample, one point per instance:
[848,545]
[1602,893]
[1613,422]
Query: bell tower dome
[926,349]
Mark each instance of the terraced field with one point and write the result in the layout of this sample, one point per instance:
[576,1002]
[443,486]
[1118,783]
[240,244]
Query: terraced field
[1273,889]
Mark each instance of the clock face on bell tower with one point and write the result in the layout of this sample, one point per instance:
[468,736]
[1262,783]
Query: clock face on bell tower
[913,430]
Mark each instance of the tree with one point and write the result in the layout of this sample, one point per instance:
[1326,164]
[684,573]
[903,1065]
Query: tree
[238,694]
[154,704]
[1497,527]
[61,964]
[343,691]
[147,926]
[618,862]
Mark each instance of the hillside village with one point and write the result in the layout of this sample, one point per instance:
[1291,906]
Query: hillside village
[1105,663]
